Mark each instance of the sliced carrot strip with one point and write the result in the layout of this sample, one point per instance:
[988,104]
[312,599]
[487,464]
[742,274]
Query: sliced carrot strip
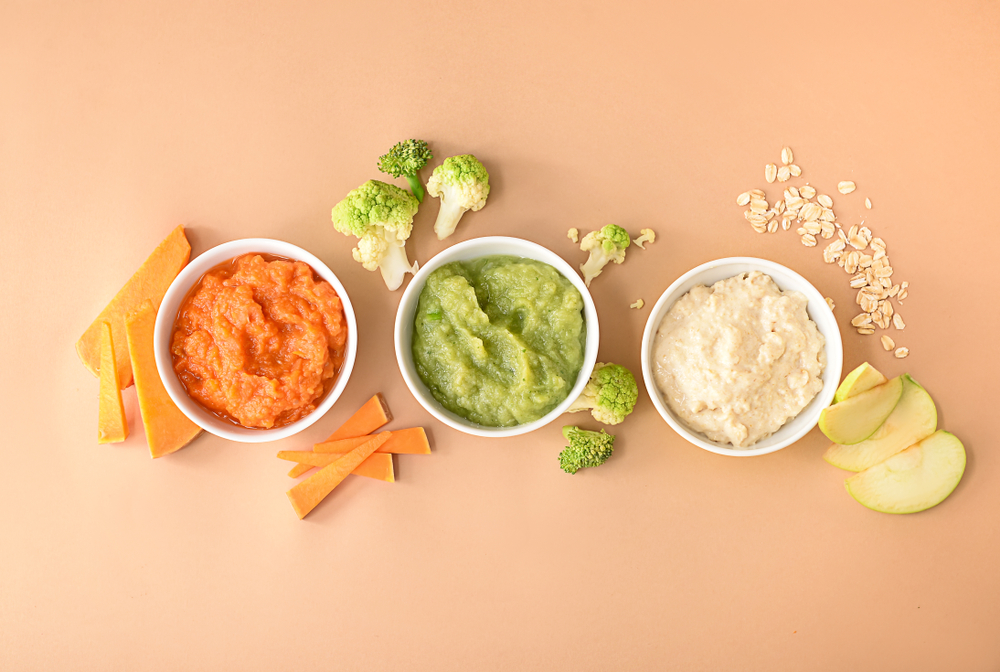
[306,495]
[298,470]
[378,466]
[411,441]
[374,414]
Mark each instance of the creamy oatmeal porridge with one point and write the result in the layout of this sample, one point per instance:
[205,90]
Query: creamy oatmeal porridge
[737,360]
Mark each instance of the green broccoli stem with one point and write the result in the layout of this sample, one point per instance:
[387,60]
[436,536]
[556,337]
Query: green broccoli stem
[416,187]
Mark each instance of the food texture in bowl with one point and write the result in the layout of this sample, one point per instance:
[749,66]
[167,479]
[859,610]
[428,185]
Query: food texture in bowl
[499,340]
[737,360]
[259,340]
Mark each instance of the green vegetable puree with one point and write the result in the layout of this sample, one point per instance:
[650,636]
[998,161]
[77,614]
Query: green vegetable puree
[499,340]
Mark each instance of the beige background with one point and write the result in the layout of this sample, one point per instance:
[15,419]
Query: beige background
[249,119]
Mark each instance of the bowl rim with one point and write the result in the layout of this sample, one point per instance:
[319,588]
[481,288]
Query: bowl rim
[178,290]
[827,325]
[407,307]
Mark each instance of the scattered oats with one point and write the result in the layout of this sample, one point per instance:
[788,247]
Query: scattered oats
[758,205]
[866,234]
[837,245]
[862,320]
[830,303]
[897,321]
[886,282]
[812,227]
[755,218]
[825,201]
[770,172]
[878,244]
[894,290]
[786,221]
[810,212]
[851,264]
[794,170]
[794,204]
[846,187]
[869,303]
[857,242]
[828,230]
[859,281]
[866,331]
[743,198]
[865,261]
[902,352]
[853,231]
[842,235]
[827,215]
[574,235]
[638,304]
[884,272]
[801,231]
[786,155]
[759,193]
[807,192]
[809,240]
[784,173]
[868,203]
[779,207]
[840,262]
[885,307]
[791,192]
[888,343]
[830,256]
[759,227]
[879,254]
[772,226]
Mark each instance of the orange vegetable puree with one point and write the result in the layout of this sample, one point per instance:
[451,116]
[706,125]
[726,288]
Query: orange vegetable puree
[259,341]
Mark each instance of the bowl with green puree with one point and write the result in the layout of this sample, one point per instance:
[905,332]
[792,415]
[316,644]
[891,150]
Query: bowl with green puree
[496,336]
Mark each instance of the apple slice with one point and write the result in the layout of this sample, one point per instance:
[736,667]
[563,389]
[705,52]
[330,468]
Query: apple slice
[854,420]
[913,419]
[861,379]
[918,478]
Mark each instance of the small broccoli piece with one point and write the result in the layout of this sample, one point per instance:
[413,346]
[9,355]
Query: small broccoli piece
[405,159]
[648,236]
[462,183]
[585,449]
[607,245]
[380,215]
[639,303]
[574,234]
[610,394]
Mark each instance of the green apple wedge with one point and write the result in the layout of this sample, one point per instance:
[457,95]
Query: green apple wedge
[861,379]
[915,479]
[854,420]
[913,419]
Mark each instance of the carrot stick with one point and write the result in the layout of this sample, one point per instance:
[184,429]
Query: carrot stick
[412,441]
[374,414]
[298,470]
[378,465]
[306,495]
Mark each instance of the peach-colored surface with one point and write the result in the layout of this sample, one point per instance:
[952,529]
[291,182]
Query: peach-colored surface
[120,120]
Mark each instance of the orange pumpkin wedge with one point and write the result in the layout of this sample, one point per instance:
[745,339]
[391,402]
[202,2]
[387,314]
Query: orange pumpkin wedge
[377,466]
[306,495]
[410,441]
[167,429]
[374,414]
[112,427]
[150,283]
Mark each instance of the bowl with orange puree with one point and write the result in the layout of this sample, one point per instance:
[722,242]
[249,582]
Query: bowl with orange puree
[255,340]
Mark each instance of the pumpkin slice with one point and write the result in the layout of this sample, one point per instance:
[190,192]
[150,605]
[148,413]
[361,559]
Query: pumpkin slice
[410,441]
[310,492]
[150,283]
[112,427]
[167,429]
[377,466]
[298,470]
[374,414]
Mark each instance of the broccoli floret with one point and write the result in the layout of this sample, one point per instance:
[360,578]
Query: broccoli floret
[405,159]
[610,394]
[585,449]
[462,183]
[647,236]
[607,245]
[380,215]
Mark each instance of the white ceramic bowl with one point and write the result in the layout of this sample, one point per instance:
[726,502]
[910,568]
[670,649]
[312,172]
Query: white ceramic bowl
[786,279]
[473,249]
[171,303]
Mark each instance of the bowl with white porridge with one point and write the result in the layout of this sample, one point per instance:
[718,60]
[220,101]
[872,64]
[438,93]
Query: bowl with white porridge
[740,355]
